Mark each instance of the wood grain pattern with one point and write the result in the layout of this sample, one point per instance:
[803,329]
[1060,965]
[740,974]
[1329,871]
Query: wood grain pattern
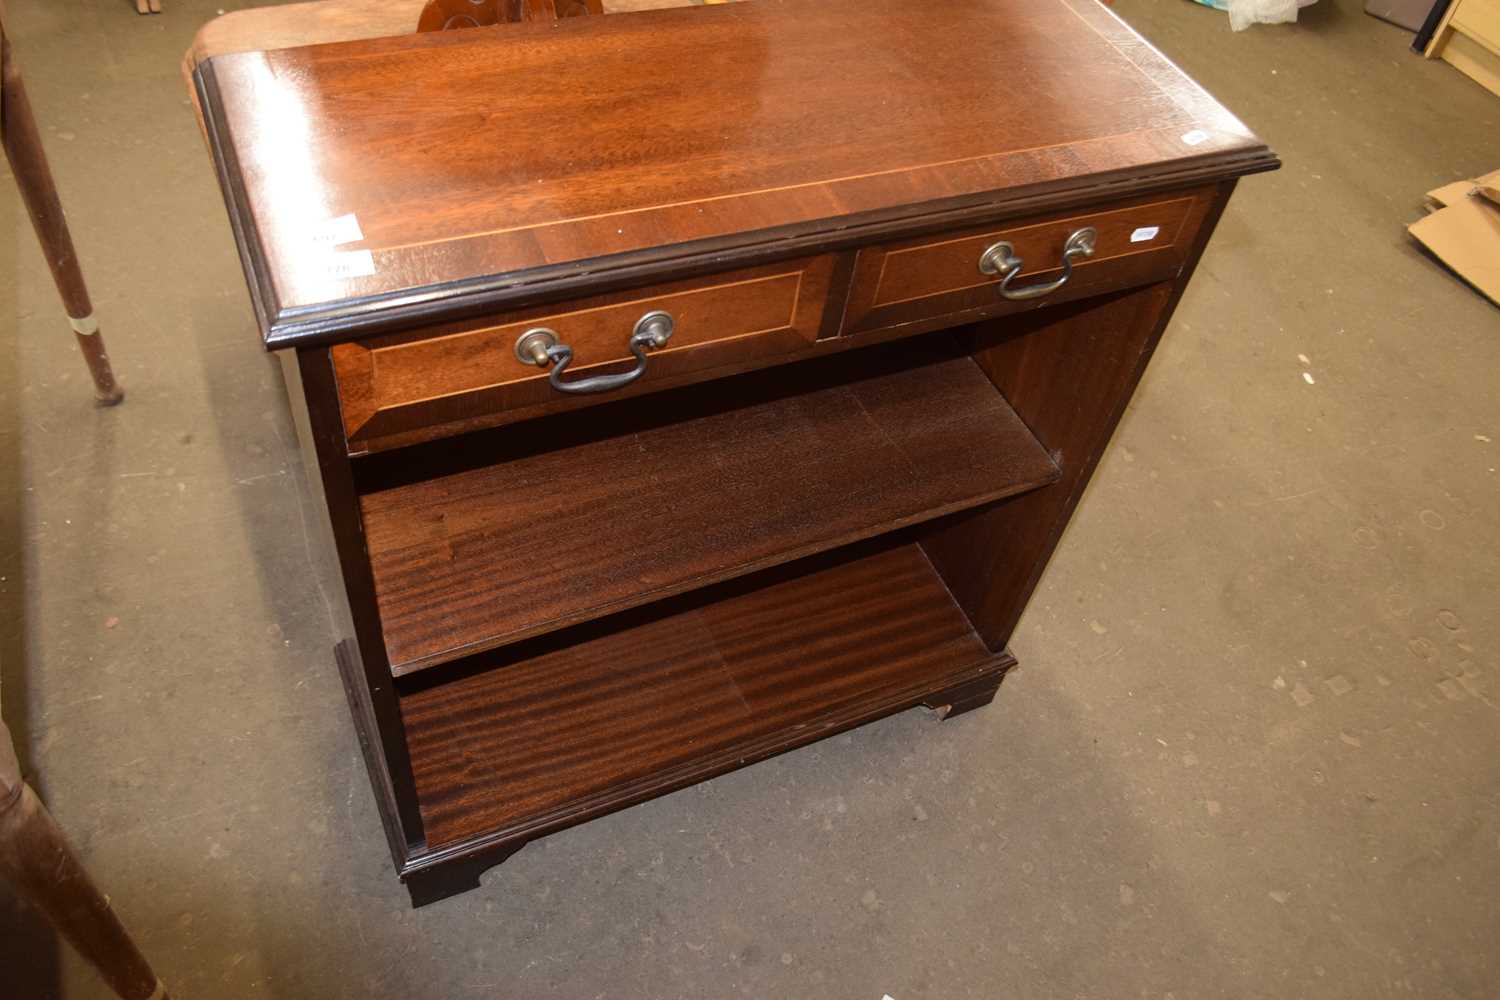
[702,486]
[467,198]
[1069,371]
[723,359]
[528,746]
[850,308]
[579,604]
[915,279]
[323,22]
[434,376]
[460,376]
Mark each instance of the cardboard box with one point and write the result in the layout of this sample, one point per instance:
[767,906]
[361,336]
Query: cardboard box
[1463,231]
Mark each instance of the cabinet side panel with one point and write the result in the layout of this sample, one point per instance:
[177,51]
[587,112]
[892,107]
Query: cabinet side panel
[1069,372]
[344,572]
[314,511]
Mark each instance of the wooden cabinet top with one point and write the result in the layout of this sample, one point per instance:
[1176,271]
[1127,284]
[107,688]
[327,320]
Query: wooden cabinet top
[528,162]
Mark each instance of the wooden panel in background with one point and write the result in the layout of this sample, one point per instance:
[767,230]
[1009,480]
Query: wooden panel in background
[1480,20]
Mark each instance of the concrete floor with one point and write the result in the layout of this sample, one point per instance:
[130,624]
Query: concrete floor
[1252,751]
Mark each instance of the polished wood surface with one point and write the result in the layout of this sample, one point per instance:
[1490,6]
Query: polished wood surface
[314,22]
[437,381]
[911,280]
[466,198]
[1069,371]
[704,485]
[829,499]
[435,376]
[337,541]
[451,377]
[526,746]
[322,22]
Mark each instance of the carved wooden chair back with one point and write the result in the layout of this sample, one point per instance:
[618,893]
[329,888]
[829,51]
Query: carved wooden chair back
[440,15]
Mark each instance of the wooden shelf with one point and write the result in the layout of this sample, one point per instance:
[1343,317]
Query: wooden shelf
[589,725]
[735,477]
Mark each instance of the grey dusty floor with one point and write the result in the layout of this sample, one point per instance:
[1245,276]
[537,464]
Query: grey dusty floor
[1253,749]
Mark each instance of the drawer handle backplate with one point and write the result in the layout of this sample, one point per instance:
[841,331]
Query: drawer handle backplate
[541,346]
[1000,258]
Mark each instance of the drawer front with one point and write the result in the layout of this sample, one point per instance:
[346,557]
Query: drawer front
[940,276]
[415,385]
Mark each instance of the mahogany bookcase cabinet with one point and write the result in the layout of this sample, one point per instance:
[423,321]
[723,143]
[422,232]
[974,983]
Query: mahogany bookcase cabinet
[687,386]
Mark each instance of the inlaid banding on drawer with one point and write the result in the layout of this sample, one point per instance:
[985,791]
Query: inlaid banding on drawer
[394,384]
[598,336]
[951,265]
[939,276]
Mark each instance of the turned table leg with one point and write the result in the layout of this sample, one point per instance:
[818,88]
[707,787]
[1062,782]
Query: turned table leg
[23,147]
[36,860]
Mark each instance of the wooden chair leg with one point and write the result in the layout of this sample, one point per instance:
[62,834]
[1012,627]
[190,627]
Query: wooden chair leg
[23,147]
[37,861]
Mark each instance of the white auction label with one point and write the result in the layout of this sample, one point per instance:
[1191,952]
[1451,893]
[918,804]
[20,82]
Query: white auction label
[1194,137]
[344,229]
[347,264]
[1144,233]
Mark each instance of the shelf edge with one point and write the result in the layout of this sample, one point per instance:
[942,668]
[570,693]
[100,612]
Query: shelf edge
[722,762]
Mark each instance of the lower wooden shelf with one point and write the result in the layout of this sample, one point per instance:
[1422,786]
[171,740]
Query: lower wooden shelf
[587,724]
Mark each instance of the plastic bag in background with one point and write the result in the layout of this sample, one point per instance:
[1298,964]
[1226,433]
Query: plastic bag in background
[1243,13]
